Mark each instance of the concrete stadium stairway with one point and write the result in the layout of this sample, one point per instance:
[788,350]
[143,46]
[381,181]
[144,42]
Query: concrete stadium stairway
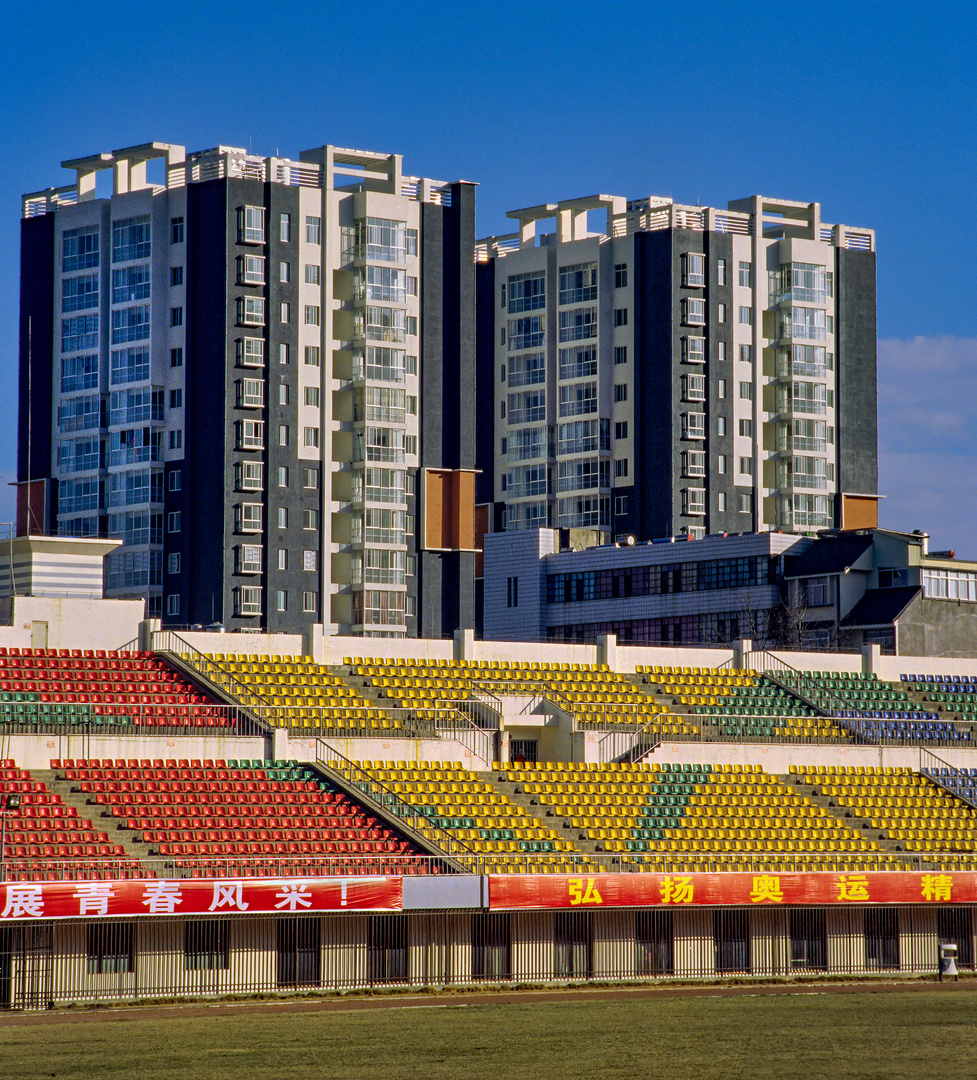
[100,816]
[546,818]
[843,814]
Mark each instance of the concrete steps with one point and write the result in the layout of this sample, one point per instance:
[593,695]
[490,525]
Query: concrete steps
[845,815]
[544,817]
[100,816]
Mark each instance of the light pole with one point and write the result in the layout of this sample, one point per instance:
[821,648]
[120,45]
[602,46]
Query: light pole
[8,802]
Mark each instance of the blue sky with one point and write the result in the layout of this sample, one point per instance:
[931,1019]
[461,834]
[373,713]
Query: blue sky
[853,105]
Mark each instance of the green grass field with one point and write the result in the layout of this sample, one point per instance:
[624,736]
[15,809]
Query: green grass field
[889,1036]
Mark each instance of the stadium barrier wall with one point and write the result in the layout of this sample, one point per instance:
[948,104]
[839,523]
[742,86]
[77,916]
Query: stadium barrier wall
[49,964]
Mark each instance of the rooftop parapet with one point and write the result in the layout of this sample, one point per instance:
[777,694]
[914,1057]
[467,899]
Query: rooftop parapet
[326,166]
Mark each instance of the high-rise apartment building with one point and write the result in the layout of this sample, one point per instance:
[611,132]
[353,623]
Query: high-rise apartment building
[678,370]
[259,374]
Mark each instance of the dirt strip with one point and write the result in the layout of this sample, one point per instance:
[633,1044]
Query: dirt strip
[125,1013]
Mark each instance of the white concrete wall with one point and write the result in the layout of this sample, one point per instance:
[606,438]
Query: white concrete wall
[72,623]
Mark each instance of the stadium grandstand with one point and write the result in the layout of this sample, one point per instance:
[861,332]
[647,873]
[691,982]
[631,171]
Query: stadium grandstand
[206,814]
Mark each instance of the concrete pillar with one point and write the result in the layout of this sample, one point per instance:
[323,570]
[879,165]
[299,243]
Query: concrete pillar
[871,659]
[313,642]
[464,645]
[607,650]
[147,627]
[279,744]
[741,652]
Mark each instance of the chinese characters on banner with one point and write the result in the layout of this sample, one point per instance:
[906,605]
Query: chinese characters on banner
[677,890]
[156,896]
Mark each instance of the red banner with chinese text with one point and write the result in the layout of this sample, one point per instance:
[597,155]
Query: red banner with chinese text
[197,896]
[675,890]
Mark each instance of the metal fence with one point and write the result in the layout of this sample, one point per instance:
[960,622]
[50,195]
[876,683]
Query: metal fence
[459,858]
[46,964]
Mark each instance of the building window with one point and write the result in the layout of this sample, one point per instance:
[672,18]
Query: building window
[249,475]
[720,271]
[250,434]
[621,429]
[310,560]
[720,350]
[693,463]
[247,602]
[695,501]
[176,439]
[283,476]
[746,353]
[251,352]
[512,592]
[620,391]
[578,283]
[721,502]
[312,355]
[249,559]
[284,271]
[250,270]
[310,477]
[720,425]
[720,313]
[311,274]
[175,480]
[313,230]
[620,505]
[310,602]
[285,228]
[621,316]
[283,434]
[251,310]
[817,592]
[694,312]
[746,502]
[250,393]
[694,269]
[310,519]
[173,600]
[746,391]
[746,275]
[176,276]
[746,466]
[251,224]
[112,946]
[693,388]
[746,429]
[173,563]
[721,464]
[176,357]
[249,517]
[281,600]
[286,312]
[621,467]
[746,315]
[620,276]
[311,315]
[693,425]
[694,350]
[310,437]
[176,316]
[173,522]
[282,559]
[720,389]
[176,230]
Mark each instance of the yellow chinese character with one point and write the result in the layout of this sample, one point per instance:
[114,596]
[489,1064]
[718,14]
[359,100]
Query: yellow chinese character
[936,886]
[583,892]
[766,887]
[677,890]
[852,887]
